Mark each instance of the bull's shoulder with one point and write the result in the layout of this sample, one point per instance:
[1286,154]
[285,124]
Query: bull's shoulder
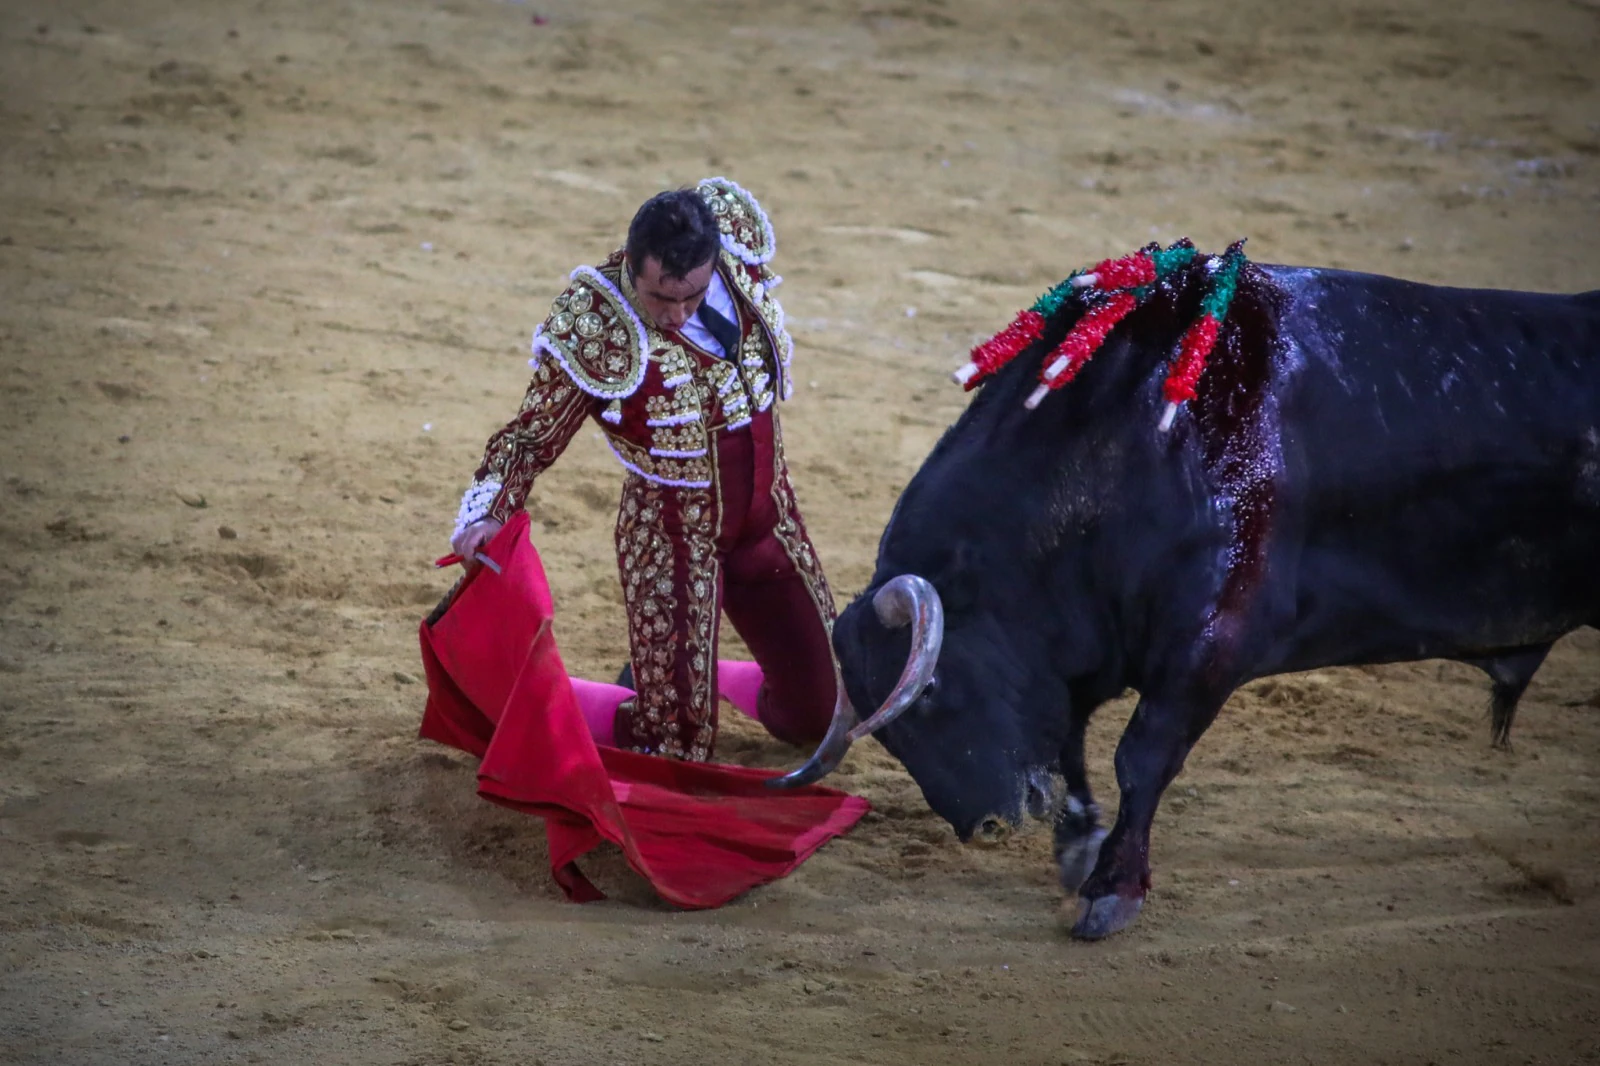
[595,334]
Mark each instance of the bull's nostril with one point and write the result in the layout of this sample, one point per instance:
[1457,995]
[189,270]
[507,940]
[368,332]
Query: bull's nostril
[1041,798]
[992,830]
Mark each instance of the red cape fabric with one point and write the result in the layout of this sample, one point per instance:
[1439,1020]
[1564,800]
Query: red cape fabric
[700,833]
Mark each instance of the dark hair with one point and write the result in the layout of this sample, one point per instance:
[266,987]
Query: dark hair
[675,227]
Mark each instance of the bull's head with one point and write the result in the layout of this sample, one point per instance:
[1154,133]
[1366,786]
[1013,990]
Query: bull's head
[964,652]
[971,711]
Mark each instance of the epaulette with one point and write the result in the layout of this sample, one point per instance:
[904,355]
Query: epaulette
[746,231]
[596,337]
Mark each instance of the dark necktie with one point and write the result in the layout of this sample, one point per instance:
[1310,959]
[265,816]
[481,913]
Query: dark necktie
[726,332]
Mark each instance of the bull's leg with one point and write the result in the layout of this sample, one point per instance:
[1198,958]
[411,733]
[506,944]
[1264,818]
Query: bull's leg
[1149,756]
[1078,832]
[1511,674]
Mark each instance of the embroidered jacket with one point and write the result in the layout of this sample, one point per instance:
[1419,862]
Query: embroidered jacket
[657,396]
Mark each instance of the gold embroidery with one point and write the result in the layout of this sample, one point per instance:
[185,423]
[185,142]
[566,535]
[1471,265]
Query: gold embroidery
[551,412]
[674,361]
[644,558]
[657,568]
[753,352]
[720,376]
[736,401]
[796,543]
[596,336]
[755,368]
[694,473]
[770,314]
[740,219]
[679,440]
[699,532]
[673,408]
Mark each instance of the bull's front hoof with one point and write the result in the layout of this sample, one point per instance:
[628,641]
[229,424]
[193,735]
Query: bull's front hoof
[1101,917]
[1077,858]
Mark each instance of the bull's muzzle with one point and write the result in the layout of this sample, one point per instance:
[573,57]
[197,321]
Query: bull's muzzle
[902,601]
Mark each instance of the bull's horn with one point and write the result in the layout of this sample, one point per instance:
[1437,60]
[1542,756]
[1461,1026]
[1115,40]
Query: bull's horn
[905,600]
[908,600]
[830,753]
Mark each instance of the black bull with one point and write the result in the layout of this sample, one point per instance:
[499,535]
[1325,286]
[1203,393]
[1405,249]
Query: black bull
[1373,471]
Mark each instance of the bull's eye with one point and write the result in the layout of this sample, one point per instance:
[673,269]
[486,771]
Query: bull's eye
[929,694]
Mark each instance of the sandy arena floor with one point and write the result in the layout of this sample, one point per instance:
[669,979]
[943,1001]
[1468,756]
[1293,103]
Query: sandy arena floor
[267,275]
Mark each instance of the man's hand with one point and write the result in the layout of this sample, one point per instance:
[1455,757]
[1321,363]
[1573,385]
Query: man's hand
[469,541]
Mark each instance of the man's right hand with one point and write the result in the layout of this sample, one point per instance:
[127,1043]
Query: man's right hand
[471,540]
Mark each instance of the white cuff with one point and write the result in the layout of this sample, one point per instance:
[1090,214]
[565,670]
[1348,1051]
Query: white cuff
[475,504]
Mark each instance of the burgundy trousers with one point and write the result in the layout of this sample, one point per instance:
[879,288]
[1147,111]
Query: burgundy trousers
[686,555]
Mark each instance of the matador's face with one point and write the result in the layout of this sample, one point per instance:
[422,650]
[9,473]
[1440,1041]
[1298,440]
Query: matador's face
[670,301]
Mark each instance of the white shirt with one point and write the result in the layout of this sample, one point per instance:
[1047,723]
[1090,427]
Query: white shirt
[721,301]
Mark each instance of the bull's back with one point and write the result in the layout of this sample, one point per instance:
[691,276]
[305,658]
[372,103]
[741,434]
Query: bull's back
[1441,492]
[1401,361]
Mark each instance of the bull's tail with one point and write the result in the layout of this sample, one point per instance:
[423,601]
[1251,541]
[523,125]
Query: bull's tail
[1511,674]
[1502,711]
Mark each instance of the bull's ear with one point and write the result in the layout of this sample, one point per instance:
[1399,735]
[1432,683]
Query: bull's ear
[959,579]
